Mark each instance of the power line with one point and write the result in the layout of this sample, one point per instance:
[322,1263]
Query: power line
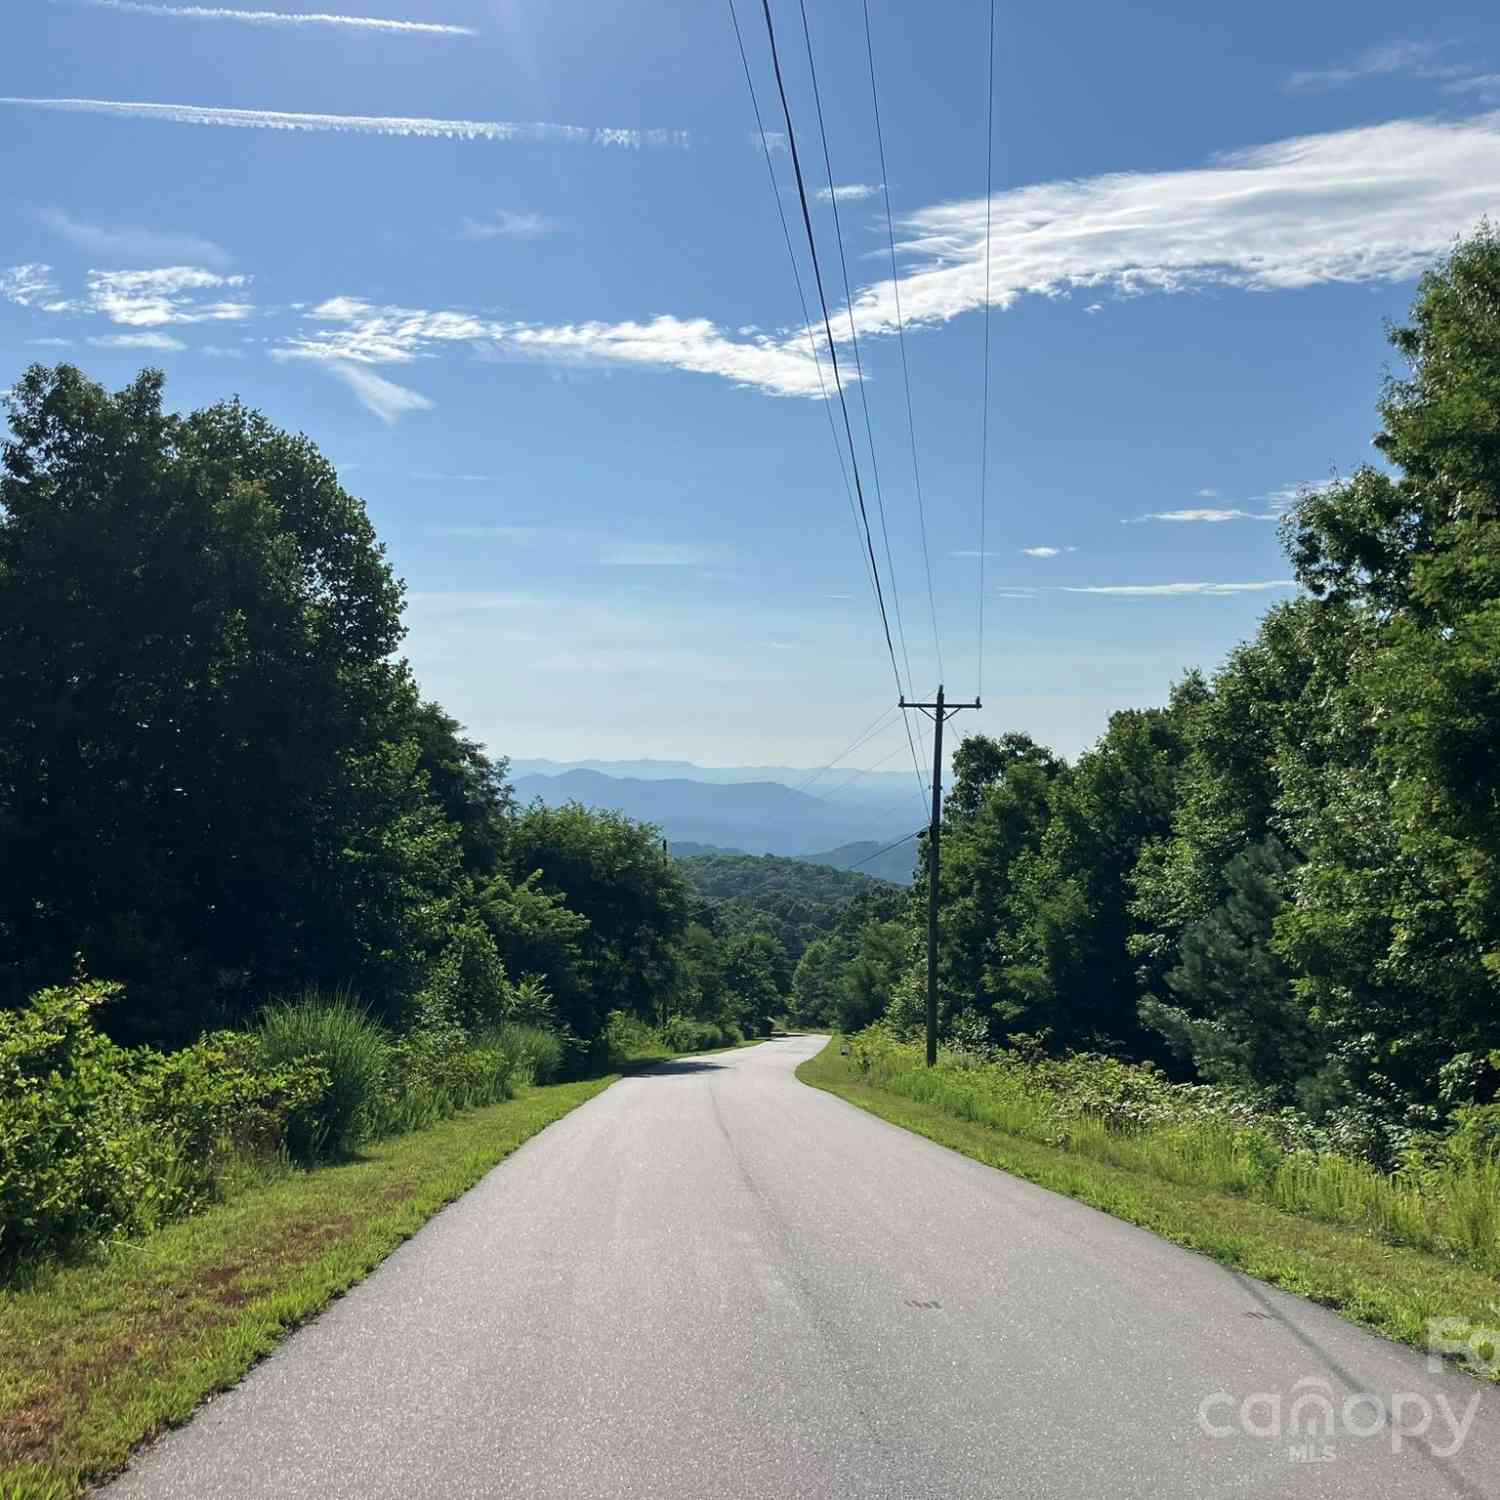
[854,775]
[786,234]
[866,733]
[833,354]
[911,426]
[984,443]
[864,392]
[876,855]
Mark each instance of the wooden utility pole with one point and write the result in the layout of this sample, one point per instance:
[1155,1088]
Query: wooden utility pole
[937,712]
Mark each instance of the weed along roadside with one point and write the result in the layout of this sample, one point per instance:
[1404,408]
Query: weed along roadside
[1434,1287]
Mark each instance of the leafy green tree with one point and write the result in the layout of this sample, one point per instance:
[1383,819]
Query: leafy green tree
[815,984]
[1395,931]
[870,978]
[535,934]
[1061,961]
[751,963]
[612,872]
[1237,1018]
[208,780]
[998,810]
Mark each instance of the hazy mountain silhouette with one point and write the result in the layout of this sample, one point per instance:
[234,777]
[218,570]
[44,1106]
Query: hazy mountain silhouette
[758,817]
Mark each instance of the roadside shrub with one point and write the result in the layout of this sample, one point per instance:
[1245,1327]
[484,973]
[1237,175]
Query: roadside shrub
[467,982]
[75,1159]
[628,1037]
[1477,1136]
[213,1103]
[681,1034]
[98,1140]
[336,1035]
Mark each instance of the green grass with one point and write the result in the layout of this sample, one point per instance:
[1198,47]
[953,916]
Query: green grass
[1393,1289]
[97,1357]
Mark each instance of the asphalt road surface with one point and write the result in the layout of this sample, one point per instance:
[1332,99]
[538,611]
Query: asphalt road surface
[712,1281]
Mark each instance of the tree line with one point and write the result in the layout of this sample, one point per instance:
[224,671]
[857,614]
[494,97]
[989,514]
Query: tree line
[221,785]
[1288,877]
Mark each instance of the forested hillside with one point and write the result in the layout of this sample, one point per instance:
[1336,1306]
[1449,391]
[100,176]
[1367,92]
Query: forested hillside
[795,900]
[1287,879]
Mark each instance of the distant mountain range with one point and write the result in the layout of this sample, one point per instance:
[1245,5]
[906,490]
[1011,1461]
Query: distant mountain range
[837,786]
[752,817]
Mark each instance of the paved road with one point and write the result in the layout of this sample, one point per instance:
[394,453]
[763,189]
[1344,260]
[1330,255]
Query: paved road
[713,1282]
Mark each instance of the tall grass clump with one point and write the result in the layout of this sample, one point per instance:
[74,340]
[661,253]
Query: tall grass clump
[537,1054]
[335,1033]
[1444,1195]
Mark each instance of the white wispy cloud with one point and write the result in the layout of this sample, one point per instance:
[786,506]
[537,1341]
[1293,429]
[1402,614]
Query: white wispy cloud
[1374,204]
[119,243]
[362,333]
[1094,307]
[385,398]
[770,140]
[1208,513]
[850,192]
[506,224]
[148,299]
[29,285]
[1208,494]
[1412,58]
[136,299]
[281,18]
[1173,590]
[51,343]
[394,125]
[163,342]
[1043,551]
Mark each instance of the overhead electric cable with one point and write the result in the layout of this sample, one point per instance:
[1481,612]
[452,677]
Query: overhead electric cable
[864,393]
[911,425]
[868,732]
[862,771]
[876,855]
[786,234]
[984,442]
[833,354]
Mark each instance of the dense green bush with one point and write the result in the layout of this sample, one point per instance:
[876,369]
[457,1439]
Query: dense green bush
[75,1160]
[683,1035]
[336,1035]
[631,1039]
[98,1140]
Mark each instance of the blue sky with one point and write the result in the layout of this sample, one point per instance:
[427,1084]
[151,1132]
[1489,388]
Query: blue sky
[557,349]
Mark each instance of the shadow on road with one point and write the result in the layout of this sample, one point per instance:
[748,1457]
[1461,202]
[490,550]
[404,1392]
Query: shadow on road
[679,1067]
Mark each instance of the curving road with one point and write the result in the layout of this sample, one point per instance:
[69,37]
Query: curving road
[712,1281]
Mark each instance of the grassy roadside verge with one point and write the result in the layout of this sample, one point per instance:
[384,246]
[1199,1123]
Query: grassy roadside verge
[97,1357]
[1391,1289]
